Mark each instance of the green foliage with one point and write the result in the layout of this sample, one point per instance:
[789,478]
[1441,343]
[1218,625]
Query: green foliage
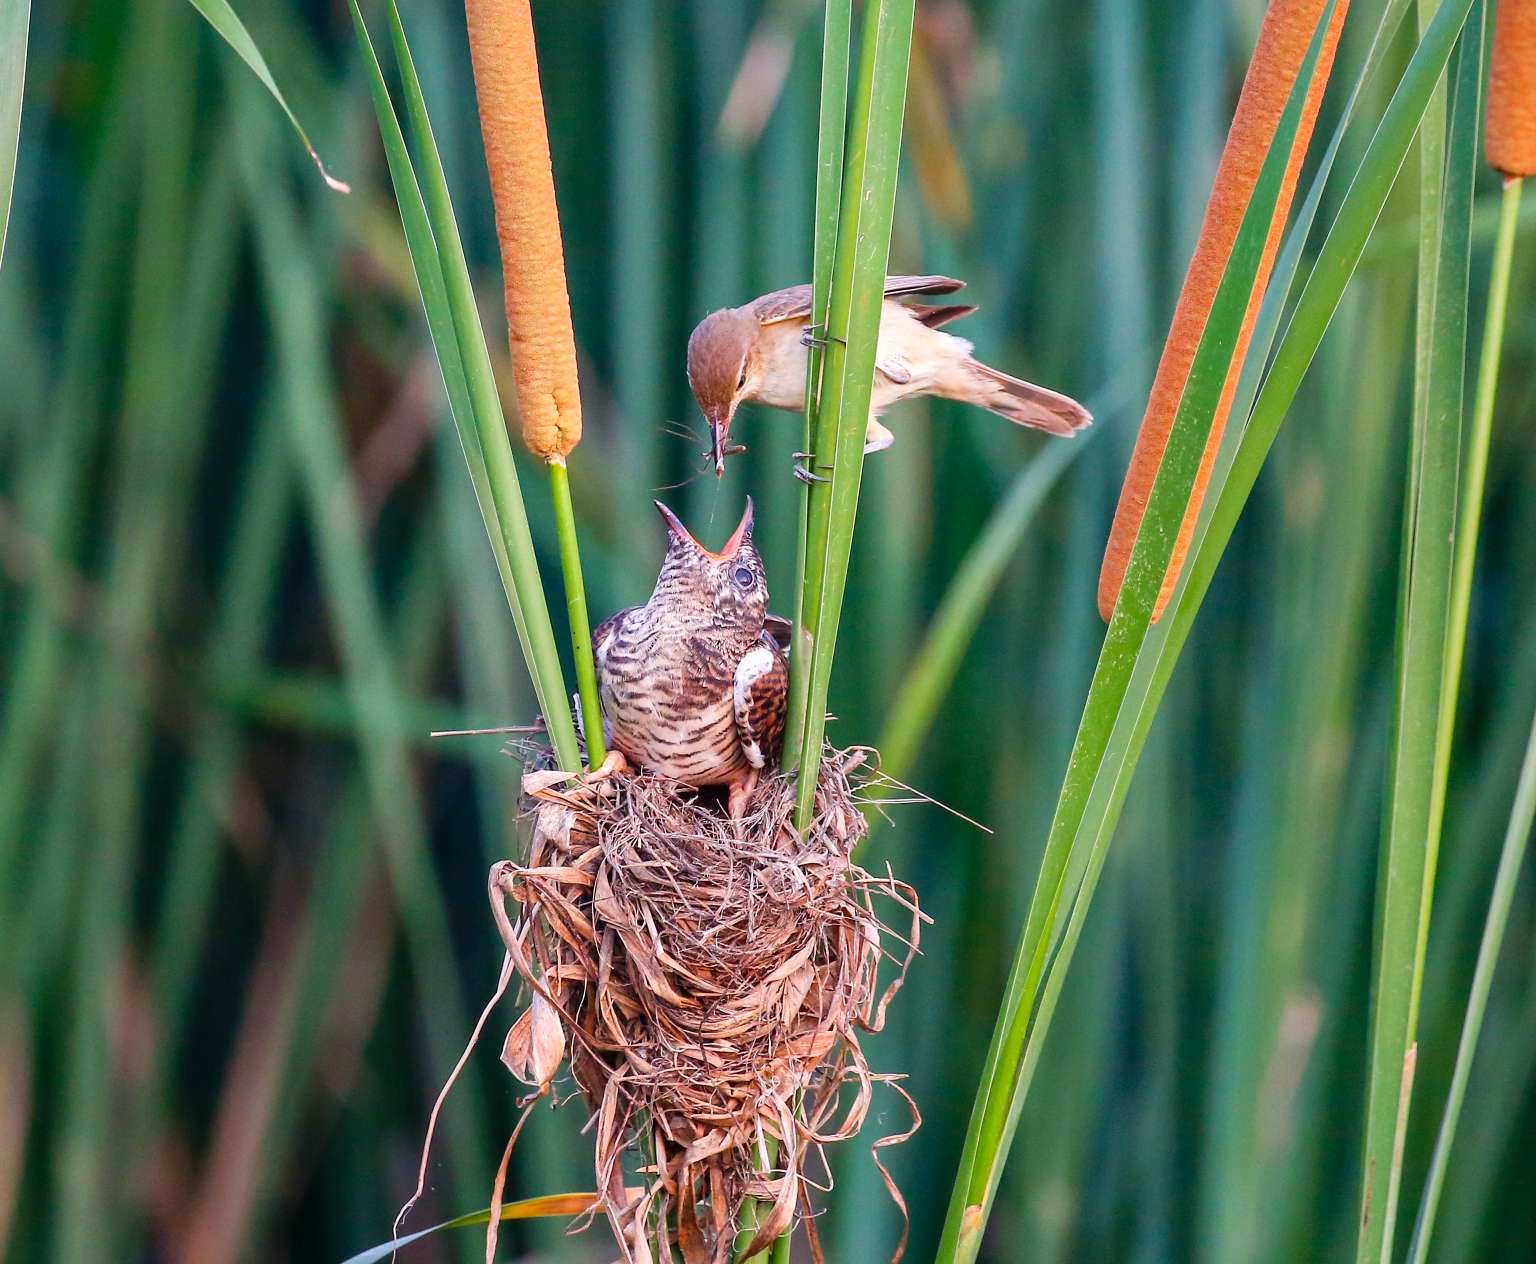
[831,137]
[242,923]
[1427,678]
[224,20]
[442,277]
[845,367]
[1006,1075]
[14,21]
[525,1209]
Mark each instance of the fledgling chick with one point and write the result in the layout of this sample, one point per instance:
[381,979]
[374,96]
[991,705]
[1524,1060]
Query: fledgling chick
[757,353]
[693,684]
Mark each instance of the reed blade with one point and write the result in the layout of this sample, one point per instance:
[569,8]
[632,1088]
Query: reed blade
[1116,719]
[851,332]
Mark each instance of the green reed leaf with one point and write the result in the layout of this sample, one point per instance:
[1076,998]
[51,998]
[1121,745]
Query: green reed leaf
[524,1209]
[15,16]
[848,369]
[831,141]
[1427,677]
[437,255]
[1134,669]
[227,23]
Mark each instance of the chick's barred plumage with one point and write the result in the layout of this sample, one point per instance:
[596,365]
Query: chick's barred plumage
[694,685]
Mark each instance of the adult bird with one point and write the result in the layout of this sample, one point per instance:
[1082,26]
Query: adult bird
[694,683]
[757,352]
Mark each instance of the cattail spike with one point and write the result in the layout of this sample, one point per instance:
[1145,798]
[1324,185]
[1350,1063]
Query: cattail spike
[1511,132]
[1277,60]
[527,224]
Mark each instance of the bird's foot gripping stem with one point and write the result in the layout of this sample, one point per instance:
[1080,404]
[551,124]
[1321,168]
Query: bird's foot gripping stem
[820,336]
[536,783]
[805,475]
[613,764]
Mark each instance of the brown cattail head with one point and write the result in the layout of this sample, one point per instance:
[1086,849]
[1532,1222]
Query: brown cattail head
[1277,60]
[527,224]
[1511,134]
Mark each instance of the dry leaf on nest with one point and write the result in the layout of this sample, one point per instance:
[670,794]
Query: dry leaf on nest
[535,1044]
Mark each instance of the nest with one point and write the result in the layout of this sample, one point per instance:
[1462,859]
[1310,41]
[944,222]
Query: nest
[706,981]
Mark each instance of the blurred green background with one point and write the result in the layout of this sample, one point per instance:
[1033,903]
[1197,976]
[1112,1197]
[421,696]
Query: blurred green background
[243,931]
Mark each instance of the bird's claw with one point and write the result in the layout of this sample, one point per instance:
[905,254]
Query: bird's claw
[803,474]
[613,764]
[541,783]
[741,795]
[818,336]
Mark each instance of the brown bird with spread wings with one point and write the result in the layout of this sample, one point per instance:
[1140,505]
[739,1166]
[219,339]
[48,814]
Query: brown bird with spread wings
[757,353]
[695,683]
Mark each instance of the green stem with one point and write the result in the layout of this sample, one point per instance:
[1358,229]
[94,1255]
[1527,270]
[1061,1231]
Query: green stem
[833,123]
[847,379]
[746,1229]
[437,255]
[576,605]
[1094,760]
[1518,833]
[1425,683]
[1470,515]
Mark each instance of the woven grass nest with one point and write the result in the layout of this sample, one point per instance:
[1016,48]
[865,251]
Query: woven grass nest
[706,982]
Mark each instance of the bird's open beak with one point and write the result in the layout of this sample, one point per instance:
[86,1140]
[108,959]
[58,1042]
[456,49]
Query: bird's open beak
[680,532]
[743,530]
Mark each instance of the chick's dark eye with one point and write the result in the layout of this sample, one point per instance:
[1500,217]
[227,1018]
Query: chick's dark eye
[743,577]
[742,380]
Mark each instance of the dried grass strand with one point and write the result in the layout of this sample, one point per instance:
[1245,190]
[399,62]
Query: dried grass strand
[442,1096]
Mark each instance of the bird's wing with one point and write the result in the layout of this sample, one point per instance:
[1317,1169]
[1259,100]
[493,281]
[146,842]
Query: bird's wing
[779,630]
[896,286]
[602,638]
[604,631]
[761,697]
[794,303]
[936,315]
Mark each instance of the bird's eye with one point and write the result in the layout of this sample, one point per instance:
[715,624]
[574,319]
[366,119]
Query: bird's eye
[743,577]
[742,380]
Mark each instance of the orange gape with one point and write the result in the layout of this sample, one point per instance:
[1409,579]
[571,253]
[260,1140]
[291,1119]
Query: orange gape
[527,224]
[1277,59]
[1511,133]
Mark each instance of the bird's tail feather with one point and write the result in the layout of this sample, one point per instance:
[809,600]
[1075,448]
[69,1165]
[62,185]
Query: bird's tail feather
[1024,403]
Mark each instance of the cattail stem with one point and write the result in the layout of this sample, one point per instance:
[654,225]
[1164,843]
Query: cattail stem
[437,256]
[1277,60]
[538,304]
[576,607]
